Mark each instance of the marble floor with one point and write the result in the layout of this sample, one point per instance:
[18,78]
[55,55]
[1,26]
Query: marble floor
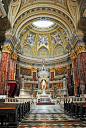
[49,116]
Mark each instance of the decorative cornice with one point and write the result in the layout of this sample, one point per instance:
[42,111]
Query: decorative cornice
[47,60]
[73,55]
[7,49]
[52,69]
[77,39]
[80,49]
[28,15]
[14,56]
[34,69]
[68,66]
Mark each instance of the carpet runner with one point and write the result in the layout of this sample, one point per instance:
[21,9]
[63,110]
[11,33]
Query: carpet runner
[50,103]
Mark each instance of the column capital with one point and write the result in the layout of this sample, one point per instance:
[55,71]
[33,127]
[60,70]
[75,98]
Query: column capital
[18,66]
[80,49]
[7,49]
[34,69]
[14,56]
[52,69]
[68,66]
[73,55]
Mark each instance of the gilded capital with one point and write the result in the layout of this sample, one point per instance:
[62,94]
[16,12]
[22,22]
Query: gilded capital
[68,66]
[7,49]
[73,55]
[80,49]
[34,69]
[14,56]
[52,69]
[18,66]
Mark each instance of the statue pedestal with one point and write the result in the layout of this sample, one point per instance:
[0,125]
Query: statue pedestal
[23,95]
[44,98]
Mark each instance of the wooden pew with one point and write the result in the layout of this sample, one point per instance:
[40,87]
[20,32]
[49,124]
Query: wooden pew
[23,109]
[11,111]
[82,110]
[78,109]
[19,109]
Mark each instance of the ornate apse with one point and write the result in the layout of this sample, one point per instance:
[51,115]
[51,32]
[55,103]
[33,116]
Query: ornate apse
[24,45]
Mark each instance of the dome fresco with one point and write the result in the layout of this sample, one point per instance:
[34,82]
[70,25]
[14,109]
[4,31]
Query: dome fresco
[36,40]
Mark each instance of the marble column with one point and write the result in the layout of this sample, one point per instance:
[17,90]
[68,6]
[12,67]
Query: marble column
[81,56]
[18,79]
[12,66]
[52,74]
[75,71]
[22,82]
[17,73]
[34,72]
[64,83]
[4,68]
[69,77]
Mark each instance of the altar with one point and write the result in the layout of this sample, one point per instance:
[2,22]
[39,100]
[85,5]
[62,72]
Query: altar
[44,98]
[43,78]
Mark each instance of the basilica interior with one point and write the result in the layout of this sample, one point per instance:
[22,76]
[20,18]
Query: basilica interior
[42,48]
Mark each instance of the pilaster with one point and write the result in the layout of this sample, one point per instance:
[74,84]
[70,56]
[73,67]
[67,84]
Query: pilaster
[69,78]
[73,57]
[34,73]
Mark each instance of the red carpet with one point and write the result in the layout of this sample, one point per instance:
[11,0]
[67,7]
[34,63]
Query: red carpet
[45,103]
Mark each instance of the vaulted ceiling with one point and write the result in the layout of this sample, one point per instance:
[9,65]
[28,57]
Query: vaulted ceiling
[32,41]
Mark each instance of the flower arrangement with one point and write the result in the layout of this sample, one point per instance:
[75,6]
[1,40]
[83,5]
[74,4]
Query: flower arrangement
[39,92]
[47,92]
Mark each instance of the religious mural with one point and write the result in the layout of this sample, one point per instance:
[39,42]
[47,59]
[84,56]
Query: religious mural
[59,50]
[43,52]
[30,39]
[25,71]
[60,71]
[21,35]
[43,40]
[56,38]
[27,51]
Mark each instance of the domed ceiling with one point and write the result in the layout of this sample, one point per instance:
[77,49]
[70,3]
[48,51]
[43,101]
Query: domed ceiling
[43,41]
[35,42]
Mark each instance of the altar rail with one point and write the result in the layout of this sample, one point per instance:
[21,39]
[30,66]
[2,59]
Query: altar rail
[23,100]
[71,99]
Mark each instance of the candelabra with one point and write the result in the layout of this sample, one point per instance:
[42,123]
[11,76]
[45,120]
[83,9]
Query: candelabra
[7,90]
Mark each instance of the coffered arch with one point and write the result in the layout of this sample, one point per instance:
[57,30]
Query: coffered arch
[59,15]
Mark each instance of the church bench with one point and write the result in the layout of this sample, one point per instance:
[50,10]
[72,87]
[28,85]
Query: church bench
[82,111]
[77,109]
[10,111]
[19,109]
[67,105]
[23,108]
